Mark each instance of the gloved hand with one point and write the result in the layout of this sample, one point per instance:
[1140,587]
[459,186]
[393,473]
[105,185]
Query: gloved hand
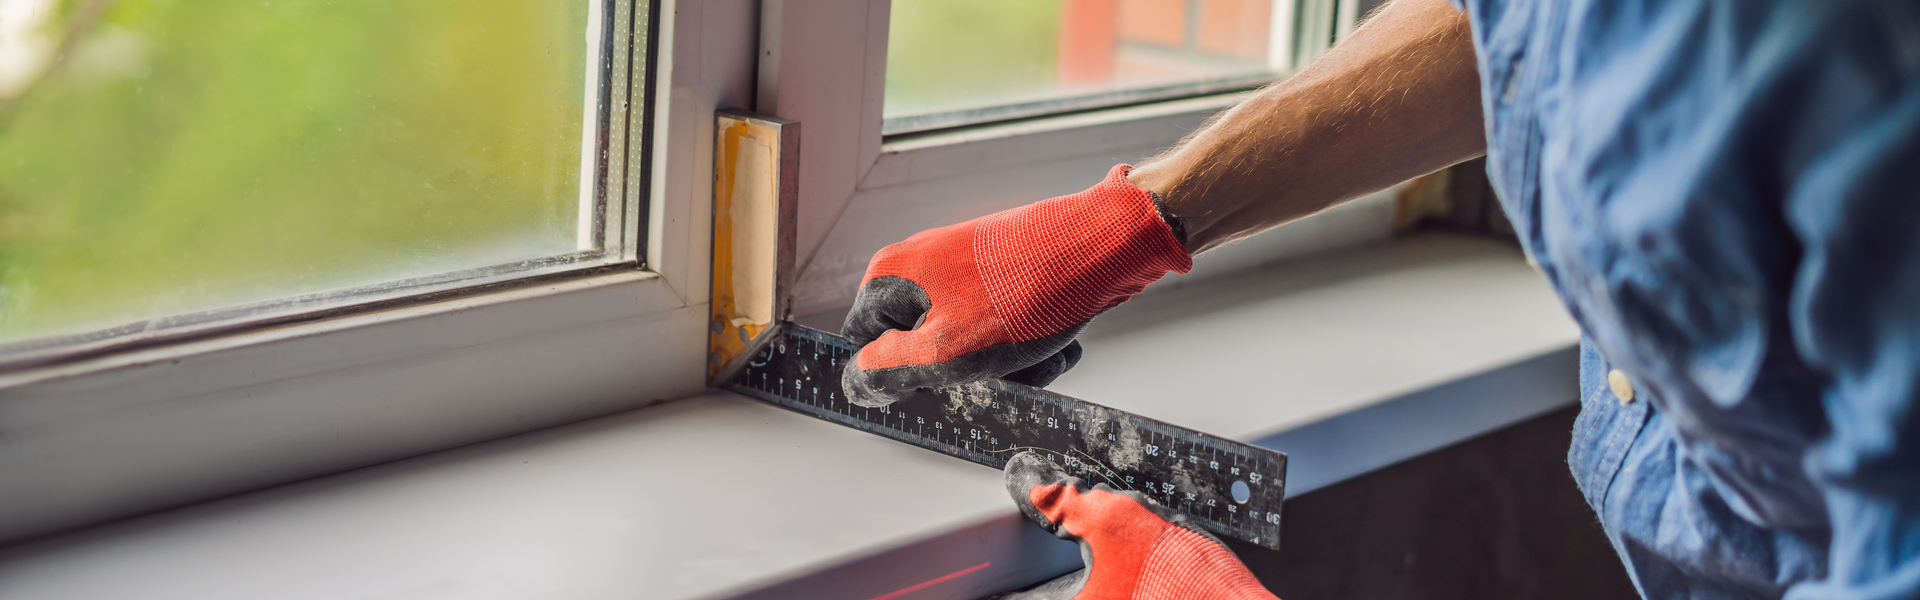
[1133,548]
[1004,295]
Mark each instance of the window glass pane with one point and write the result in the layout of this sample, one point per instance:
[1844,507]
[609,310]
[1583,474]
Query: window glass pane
[956,61]
[192,155]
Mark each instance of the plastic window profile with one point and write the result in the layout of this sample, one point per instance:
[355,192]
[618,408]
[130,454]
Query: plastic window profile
[1299,36]
[612,236]
[872,189]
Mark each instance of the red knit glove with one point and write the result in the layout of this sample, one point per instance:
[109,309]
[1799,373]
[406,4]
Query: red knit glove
[1004,294]
[1134,548]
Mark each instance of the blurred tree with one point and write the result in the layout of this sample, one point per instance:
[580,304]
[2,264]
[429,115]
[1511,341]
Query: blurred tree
[191,155]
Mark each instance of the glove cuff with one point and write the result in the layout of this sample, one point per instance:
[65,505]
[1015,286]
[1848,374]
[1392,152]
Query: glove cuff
[1175,224]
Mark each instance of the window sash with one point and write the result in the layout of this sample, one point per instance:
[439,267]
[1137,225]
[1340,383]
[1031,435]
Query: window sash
[1301,33]
[611,236]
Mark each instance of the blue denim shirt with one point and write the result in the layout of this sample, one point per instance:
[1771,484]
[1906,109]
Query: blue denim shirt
[1726,194]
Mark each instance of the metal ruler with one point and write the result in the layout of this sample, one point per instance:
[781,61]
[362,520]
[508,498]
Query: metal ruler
[1230,488]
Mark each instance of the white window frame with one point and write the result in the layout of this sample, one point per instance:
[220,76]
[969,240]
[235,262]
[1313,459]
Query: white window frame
[860,191]
[128,432]
[607,234]
[121,433]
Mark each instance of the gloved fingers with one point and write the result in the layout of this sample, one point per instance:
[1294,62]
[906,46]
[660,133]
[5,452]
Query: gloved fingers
[883,304]
[1122,536]
[1053,499]
[1040,488]
[1048,369]
[874,388]
[891,367]
[1057,362]
[885,379]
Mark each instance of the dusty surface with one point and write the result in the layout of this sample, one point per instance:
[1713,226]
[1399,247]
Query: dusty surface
[598,509]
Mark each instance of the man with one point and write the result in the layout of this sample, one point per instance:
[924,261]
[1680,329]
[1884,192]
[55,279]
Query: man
[1720,191]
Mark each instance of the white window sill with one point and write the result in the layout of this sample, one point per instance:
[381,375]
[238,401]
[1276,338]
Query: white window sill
[135,432]
[1348,362]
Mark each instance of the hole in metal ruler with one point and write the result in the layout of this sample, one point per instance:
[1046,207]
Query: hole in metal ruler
[1241,493]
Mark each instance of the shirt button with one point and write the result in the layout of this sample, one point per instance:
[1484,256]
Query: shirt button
[1622,388]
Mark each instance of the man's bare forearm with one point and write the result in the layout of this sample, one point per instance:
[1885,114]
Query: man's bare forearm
[1398,99]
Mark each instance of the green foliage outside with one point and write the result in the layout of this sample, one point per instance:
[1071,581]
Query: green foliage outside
[945,55]
[196,154]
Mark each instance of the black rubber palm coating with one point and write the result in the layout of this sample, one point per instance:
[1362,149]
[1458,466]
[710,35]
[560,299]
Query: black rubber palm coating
[890,303]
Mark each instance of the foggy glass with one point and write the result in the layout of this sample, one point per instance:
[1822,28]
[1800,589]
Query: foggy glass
[954,55]
[199,154]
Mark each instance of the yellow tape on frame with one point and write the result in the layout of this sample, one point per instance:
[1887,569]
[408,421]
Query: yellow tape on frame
[746,220]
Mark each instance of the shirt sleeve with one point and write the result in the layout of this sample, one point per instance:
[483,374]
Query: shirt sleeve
[1855,308]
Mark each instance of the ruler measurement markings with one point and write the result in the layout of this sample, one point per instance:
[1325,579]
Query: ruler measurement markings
[1190,476]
